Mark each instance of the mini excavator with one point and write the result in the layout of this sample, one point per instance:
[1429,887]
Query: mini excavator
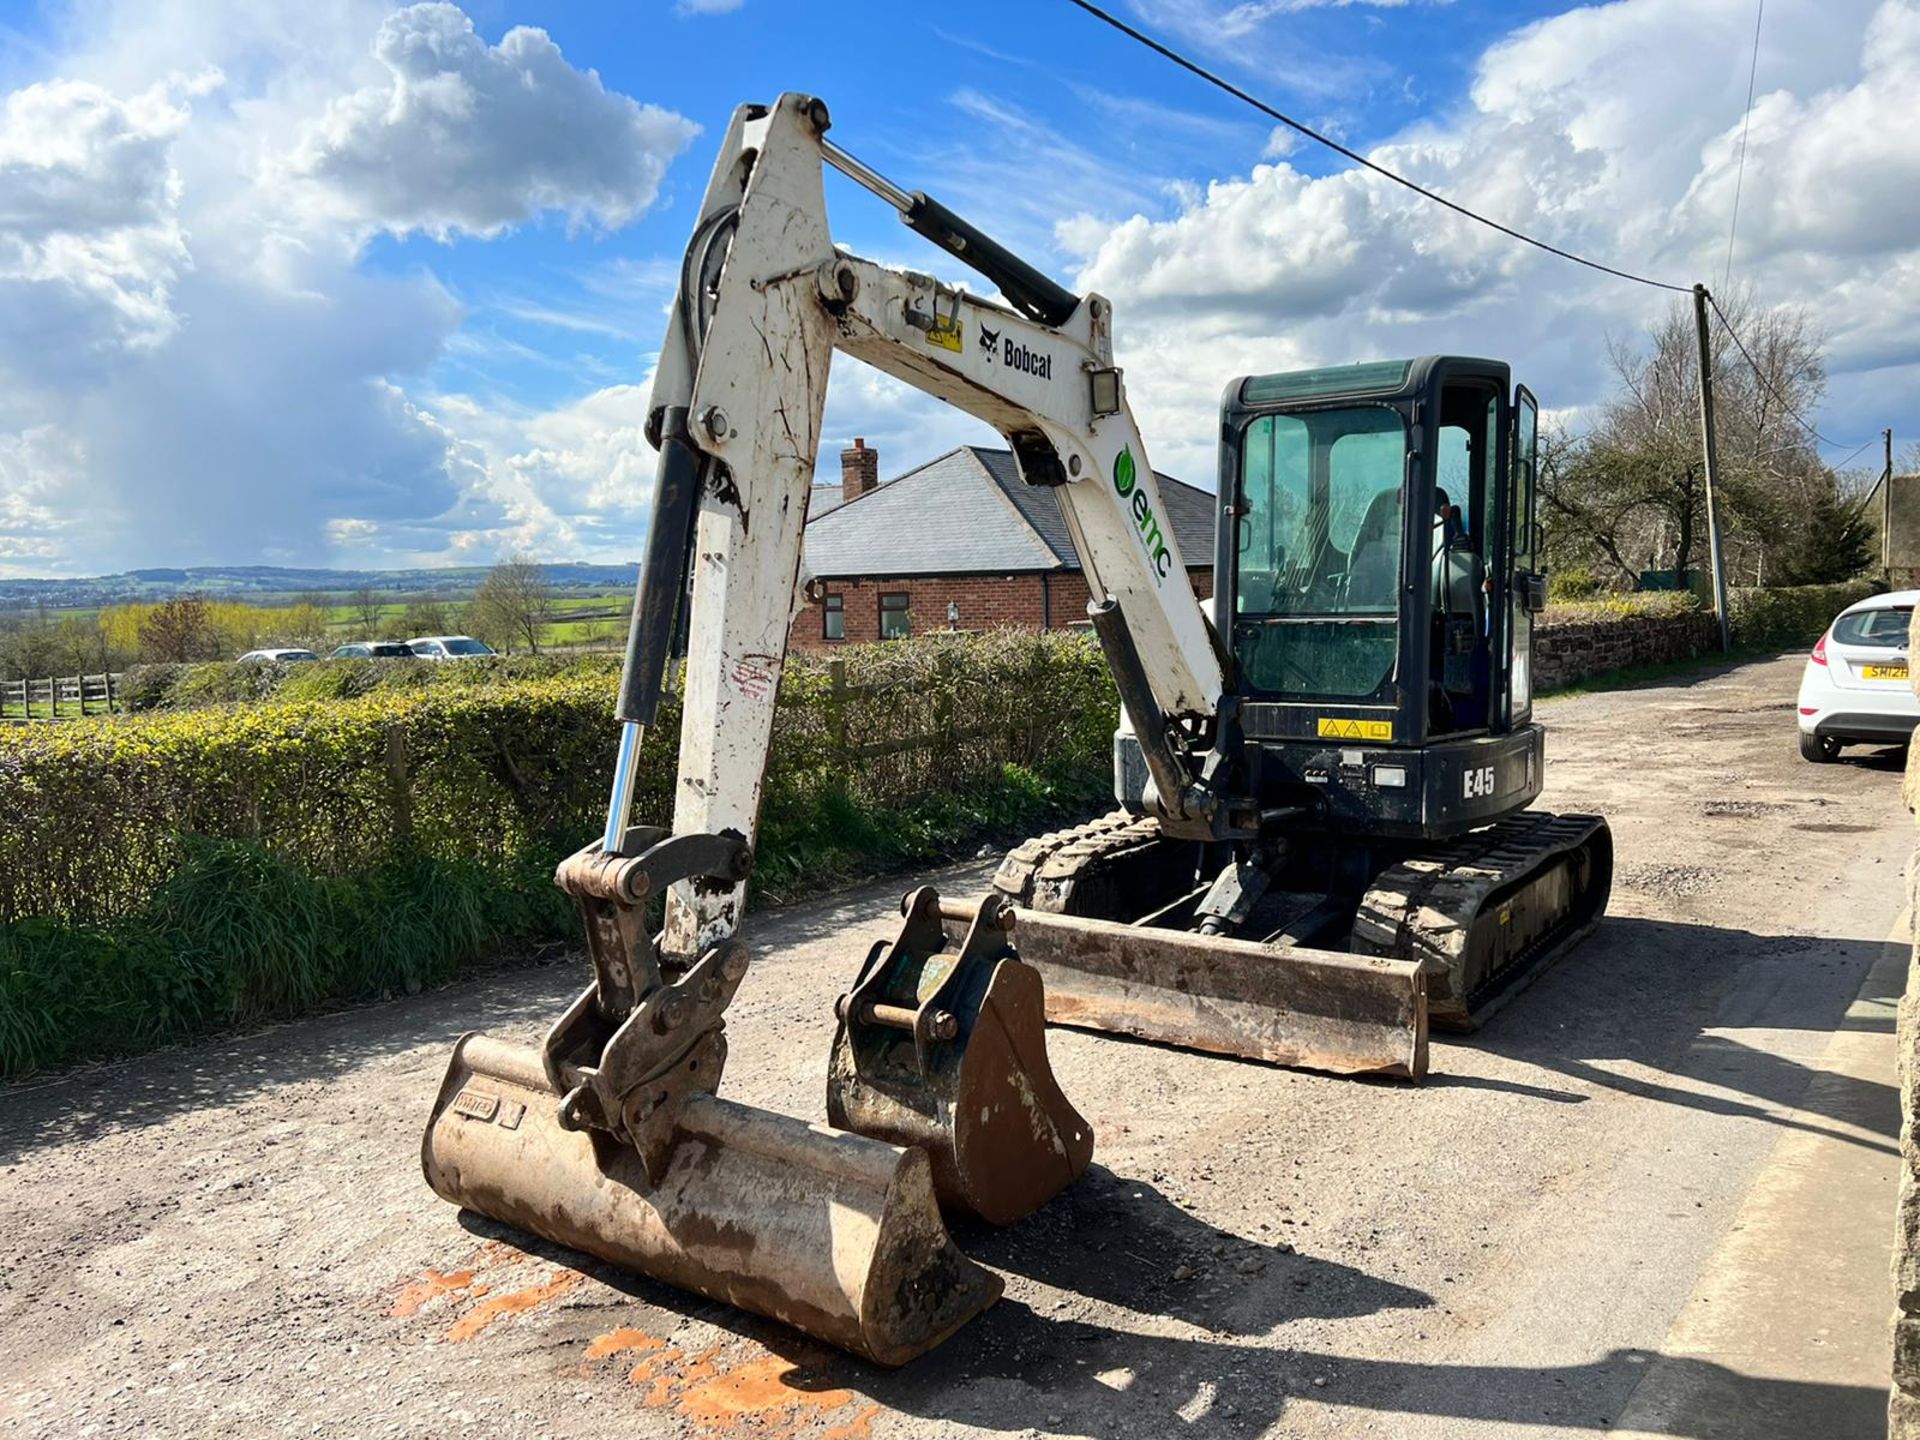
[1319,844]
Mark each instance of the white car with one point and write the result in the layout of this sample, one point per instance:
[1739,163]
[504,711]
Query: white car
[447,647]
[283,655]
[1855,690]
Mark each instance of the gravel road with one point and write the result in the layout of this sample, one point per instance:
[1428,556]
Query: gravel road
[235,1239]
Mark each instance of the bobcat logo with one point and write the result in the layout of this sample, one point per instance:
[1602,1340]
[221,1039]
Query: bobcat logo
[989,342]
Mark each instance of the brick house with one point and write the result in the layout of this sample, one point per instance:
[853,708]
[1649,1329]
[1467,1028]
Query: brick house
[960,543]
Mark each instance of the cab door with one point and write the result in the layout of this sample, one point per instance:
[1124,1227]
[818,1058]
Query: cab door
[1522,563]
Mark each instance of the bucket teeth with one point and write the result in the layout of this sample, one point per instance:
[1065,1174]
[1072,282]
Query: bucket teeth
[835,1234]
[947,1051]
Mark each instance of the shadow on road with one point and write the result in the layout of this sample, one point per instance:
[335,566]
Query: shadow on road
[1014,1369]
[1645,1007]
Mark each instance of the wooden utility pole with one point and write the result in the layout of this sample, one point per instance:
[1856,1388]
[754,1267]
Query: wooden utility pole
[1710,457]
[1886,503]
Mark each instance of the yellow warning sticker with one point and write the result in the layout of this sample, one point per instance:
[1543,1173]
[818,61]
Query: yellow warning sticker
[945,333]
[1355,729]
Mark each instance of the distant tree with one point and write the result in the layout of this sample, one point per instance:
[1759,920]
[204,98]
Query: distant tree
[369,608]
[1837,541]
[425,616]
[303,624]
[179,629]
[513,604]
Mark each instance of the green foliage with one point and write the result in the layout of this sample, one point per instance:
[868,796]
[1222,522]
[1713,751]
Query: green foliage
[1773,618]
[237,936]
[166,874]
[1627,605]
[1576,582]
[1833,542]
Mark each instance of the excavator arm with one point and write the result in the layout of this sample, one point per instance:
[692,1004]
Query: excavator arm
[765,300]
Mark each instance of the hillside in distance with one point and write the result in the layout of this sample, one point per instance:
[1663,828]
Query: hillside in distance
[269,584]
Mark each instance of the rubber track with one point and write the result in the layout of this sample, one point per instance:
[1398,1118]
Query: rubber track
[1038,865]
[1423,908]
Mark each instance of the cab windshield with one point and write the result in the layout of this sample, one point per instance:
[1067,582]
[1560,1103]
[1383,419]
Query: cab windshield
[1320,551]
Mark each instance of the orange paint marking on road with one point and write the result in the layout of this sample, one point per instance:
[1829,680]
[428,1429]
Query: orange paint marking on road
[759,1392]
[616,1342]
[429,1285]
[514,1302]
[858,1428]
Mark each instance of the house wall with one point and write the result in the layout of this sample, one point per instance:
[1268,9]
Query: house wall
[987,602]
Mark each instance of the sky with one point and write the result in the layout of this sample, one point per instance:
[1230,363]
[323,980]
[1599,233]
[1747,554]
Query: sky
[343,282]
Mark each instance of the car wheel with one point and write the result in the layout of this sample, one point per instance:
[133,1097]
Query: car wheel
[1821,749]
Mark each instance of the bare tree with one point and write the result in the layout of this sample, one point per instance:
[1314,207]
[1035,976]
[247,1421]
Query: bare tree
[179,629]
[513,604]
[425,615]
[368,607]
[1631,494]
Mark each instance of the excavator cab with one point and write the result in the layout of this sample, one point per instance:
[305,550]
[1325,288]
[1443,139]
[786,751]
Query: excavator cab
[1377,574]
[1377,583]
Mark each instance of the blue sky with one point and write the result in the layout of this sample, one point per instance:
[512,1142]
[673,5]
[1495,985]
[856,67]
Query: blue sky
[341,281]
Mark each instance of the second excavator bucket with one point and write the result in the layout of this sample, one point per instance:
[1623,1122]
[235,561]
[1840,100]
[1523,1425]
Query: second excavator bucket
[834,1234]
[942,1044]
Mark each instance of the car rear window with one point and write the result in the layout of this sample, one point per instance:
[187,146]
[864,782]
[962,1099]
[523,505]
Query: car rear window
[1884,628]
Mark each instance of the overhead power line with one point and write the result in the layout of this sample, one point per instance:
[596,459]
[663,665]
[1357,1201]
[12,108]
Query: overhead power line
[1746,120]
[1192,67]
[1768,386]
[1230,88]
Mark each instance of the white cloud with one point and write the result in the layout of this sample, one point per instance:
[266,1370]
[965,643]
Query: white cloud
[1609,130]
[460,135]
[195,364]
[90,235]
[707,7]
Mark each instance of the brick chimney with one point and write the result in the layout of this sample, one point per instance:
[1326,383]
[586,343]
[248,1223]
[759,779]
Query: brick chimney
[859,471]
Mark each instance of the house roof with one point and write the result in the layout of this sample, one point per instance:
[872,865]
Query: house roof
[969,513]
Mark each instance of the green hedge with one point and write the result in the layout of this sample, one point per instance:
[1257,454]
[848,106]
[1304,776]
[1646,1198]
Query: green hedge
[221,682]
[163,874]
[1790,615]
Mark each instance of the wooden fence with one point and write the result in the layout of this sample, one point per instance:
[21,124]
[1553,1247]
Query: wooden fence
[60,697]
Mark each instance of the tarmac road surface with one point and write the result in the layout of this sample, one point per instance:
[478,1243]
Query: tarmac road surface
[1652,1198]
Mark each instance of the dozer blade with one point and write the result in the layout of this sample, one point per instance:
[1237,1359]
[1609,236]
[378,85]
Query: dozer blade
[834,1234]
[943,1045]
[1350,1014]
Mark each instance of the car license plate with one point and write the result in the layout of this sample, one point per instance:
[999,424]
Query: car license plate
[1884,672]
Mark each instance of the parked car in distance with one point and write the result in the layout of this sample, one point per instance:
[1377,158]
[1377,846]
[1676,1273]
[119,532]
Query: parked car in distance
[283,655]
[447,647]
[1855,690]
[373,650]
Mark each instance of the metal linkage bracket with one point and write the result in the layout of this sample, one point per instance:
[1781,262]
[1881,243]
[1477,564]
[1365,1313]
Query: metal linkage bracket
[647,1032]
[916,983]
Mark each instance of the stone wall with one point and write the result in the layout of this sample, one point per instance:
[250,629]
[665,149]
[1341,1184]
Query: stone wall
[1903,1407]
[1568,649]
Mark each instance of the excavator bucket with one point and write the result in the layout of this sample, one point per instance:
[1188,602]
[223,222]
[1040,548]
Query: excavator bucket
[834,1234]
[609,1138]
[942,1045]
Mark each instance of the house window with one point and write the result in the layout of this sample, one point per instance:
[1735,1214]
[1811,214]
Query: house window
[833,617]
[893,616]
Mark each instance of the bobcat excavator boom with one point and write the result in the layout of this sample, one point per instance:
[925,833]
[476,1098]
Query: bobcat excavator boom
[610,1136]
